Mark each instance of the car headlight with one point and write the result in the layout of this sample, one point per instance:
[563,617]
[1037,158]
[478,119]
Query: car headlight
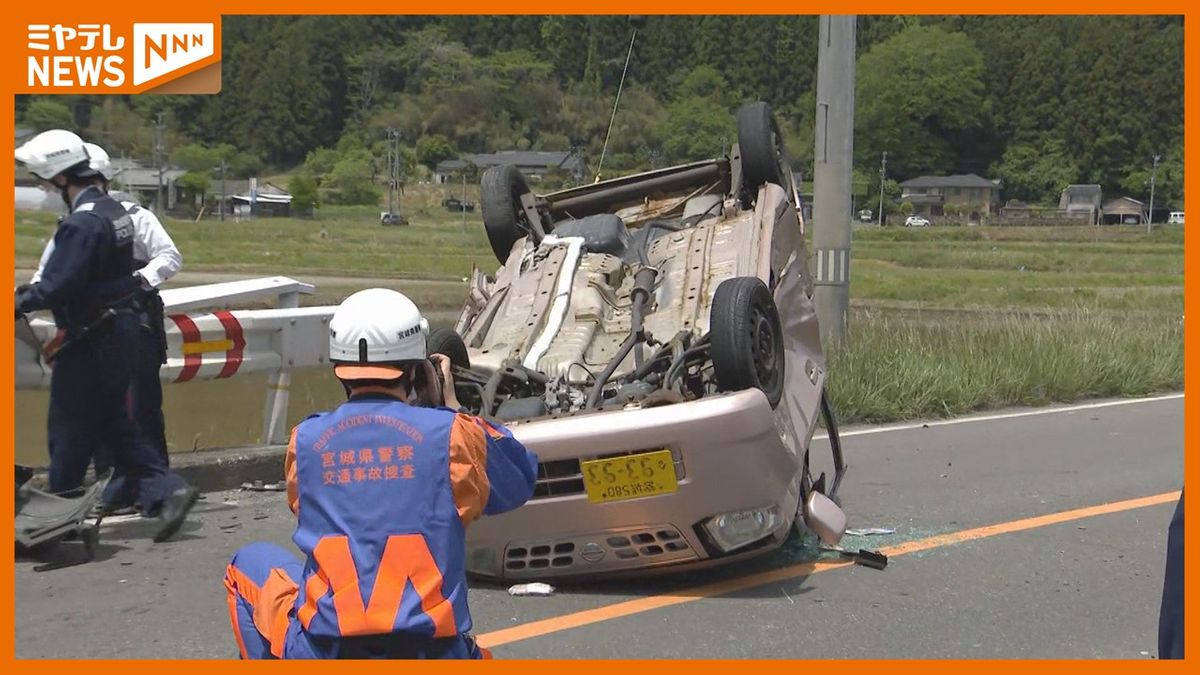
[738,528]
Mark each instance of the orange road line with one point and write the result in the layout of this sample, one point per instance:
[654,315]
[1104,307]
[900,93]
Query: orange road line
[618,610]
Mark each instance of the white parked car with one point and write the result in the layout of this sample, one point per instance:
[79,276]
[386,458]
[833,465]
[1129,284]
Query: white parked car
[916,221]
[1176,218]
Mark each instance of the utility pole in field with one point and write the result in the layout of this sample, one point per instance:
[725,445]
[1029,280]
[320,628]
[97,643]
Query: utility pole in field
[882,178]
[159,126]
[393,162]
[223,168]
[833,158]
[1153,174]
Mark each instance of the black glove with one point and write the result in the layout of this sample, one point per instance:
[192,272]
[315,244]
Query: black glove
[22,291]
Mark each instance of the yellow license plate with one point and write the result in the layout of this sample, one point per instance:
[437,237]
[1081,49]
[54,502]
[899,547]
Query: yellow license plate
[642,475]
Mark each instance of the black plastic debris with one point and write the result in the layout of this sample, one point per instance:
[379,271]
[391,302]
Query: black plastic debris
[872,559]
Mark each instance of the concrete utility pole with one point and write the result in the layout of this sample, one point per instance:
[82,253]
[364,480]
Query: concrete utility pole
[882,179]
[159,125]
[223,167]
[1153,174]
[393,162]
[832,176]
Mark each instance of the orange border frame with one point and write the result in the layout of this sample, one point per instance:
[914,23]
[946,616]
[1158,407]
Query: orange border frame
[143,10]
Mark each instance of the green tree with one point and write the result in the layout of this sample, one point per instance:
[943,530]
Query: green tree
[1036,171]
[305,195]
[919,93]
[320,163]
[43,114]
[434,149]
[696,129]
[195,157]
[120,130]
[351,181]
[195,184]
[891,192]
[243,164]
[703,81]
[953,210]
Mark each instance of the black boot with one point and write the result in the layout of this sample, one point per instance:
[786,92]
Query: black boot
[174,511]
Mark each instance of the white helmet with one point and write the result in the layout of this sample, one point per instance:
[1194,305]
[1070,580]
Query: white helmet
[53,152]
[98,160]
[372,332]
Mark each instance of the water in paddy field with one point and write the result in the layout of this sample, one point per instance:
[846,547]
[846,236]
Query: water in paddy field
[200,414]
[206,414]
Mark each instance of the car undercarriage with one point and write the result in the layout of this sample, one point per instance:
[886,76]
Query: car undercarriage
[652,337]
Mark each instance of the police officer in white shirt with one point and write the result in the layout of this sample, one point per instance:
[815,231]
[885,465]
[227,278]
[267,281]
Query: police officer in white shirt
[157,260]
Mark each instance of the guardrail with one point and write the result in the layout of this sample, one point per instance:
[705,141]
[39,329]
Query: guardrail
[218,344]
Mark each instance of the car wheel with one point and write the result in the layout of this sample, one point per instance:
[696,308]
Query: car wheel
[446,341]
[764,157]
[747,338]
[503,216]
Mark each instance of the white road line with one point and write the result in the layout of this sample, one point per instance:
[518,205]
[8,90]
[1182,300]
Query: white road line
[1001,416]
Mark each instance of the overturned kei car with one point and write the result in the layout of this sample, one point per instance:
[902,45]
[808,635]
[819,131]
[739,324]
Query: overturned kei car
[653,339]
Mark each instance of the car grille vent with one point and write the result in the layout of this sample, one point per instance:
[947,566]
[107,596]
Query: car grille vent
[540,557]
[558,478]
[650,543]
[646,544]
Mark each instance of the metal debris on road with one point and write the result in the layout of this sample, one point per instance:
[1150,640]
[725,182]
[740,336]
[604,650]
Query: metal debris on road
[870,531]
[531,589]
[872,559]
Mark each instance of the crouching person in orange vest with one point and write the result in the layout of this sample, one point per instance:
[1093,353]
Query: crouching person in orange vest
[383,492]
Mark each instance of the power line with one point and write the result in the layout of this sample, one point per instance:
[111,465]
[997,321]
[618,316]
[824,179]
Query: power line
[616,103]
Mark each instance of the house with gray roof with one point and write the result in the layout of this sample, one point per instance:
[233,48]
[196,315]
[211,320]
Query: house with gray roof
[142,183]
[1124,211]
[930,194]
[1082,201]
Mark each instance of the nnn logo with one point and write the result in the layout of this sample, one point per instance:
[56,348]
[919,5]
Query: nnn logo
[160,48]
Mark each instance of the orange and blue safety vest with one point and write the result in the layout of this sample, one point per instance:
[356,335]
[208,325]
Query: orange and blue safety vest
[383,492]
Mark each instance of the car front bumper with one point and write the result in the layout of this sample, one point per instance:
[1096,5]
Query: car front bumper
[729,457]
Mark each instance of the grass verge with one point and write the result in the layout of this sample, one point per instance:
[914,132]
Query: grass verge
[894,368]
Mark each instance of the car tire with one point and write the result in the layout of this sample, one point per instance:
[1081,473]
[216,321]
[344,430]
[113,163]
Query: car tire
[446,341]
[764,157]
[503,216]
[746,338]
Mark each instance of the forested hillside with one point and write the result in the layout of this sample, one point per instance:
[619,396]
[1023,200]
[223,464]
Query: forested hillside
[1036,101]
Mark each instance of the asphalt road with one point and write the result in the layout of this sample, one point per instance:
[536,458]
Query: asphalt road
[1051,582]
